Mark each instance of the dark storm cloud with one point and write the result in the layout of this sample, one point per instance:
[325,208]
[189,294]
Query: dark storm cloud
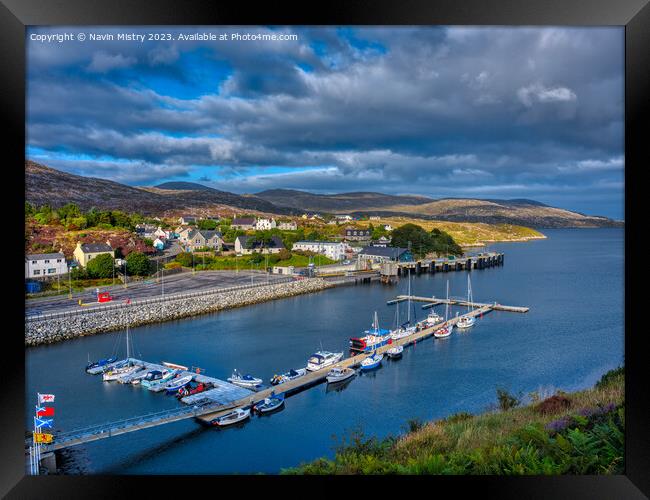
[494,112]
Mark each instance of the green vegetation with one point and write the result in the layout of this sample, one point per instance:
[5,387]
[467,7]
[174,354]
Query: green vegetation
[578,433]
[207,224]
[258,260]
[72,218]
[138,264]
[100,267]
[423,242]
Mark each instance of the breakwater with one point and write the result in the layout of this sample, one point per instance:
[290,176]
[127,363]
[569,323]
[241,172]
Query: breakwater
[51,330]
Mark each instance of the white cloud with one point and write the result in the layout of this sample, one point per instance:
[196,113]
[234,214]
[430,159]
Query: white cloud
[103,62]
[538,92]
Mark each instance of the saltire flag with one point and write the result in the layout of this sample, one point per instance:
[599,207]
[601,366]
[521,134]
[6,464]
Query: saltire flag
[45,398]
[45,412]
[44,422]
[40,437]
[40,408]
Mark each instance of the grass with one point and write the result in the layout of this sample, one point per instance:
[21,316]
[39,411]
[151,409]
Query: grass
[244,262]
[586,437]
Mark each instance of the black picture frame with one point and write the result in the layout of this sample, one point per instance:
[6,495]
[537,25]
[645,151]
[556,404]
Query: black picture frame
[15,15]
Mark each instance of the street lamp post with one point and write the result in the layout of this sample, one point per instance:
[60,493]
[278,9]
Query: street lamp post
[251,272]
[125,276]
[70,280]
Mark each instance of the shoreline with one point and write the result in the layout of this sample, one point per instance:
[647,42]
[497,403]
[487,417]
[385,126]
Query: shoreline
[50,331]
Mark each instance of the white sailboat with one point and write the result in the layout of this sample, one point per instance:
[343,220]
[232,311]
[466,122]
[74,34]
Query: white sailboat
[467,321]
[126,369]
[448,328]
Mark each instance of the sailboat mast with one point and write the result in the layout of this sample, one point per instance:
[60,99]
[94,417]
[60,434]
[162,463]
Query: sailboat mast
[128,351]
[447,304]
[408,318]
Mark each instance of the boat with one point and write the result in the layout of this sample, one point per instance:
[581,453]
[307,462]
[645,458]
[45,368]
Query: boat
[337,374]
[273,402]
[156,377]
[321,359]
[467,321]
[243,381]
[233,417]
[135,377]
[174,366]
[290,375]
[187,390]
[371,362]
[433,319]
[118,373]
[405,329]
[446,330]
[373,338]
[100,363]
[175,384]
[395,352]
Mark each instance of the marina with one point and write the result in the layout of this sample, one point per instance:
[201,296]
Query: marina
[220,350]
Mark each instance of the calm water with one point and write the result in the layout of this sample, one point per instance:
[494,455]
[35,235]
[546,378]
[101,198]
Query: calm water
[572,281]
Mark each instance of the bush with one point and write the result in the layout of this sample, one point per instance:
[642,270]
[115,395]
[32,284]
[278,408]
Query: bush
[552,405]
[138,264]
[507,400]
[610,377]
[101,266]
[172,265]
[283,254]
[459,417]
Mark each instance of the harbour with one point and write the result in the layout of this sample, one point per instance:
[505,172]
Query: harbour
[222,341]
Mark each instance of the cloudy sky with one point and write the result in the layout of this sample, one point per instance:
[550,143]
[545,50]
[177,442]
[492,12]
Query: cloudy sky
[444,112]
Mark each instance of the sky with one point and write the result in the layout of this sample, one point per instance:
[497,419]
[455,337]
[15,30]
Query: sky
[480,112]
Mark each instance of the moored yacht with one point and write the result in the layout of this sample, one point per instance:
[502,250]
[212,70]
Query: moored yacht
[321,359]
[373,338]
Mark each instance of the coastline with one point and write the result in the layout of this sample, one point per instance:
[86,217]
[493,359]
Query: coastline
[49,331]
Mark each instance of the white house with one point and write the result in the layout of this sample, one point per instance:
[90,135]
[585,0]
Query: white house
[41,265]
[332,250]
[161,233]
[246,245]
[158,243]
[262,224]
[343,217]
[288,226]
[388,227]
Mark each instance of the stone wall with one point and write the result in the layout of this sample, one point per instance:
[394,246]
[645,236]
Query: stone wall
[48,331]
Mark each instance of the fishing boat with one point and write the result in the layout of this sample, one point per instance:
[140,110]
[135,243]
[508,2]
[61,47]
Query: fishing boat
[273,402]
[373,338]
[321,359]
[100,363]
[467,321]
[175,384]
[233,417]
[337,374]
[371,362]
[118,373]
[395,352]
[290,375]
[244,381]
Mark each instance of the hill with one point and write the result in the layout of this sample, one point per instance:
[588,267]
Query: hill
[492,211]
[45,185]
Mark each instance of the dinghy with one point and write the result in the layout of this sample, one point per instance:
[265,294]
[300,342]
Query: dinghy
[247,380]
[395,352]
[290,375]
[231,418]
[337,374]
[269,404]
[372,362]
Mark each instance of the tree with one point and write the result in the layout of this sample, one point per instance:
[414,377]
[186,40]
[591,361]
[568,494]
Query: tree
[207,224]
[138,264]
[185,259]
[68,211]
[419,239]
[507,400]
[101,266]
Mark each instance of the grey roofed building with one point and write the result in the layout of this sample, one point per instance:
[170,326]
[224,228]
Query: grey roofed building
[243,221]
[95,247]
[42,256]
[386,253]
[273,246]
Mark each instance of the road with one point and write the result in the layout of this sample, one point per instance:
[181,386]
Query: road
[176,283]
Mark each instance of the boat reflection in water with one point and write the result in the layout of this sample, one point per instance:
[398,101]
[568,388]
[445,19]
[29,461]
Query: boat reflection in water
[339,386]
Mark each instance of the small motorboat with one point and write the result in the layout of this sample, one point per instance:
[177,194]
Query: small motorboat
[156,377]
[117,373]
[371,362]
[433,319]
[101,362]
[395,352]
[466,321]
[290,375]
[189,391]
[337,374]
[175,384]
[443,332]
[321,359]
[269,404]
[231,418]
[247,380]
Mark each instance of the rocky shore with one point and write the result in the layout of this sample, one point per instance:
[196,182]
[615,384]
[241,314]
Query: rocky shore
[56,330]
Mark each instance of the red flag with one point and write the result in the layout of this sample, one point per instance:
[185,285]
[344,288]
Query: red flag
[45,412]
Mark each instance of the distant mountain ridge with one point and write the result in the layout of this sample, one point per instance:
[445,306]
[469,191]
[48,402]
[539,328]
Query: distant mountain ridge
[45,185]
[515,211]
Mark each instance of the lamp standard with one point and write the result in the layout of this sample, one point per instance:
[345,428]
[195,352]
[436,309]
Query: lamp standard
[251,272]
[125,275]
